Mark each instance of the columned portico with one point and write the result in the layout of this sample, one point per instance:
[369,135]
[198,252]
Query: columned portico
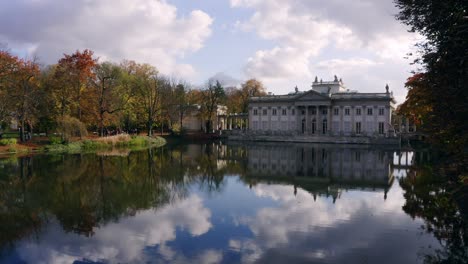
[313,120]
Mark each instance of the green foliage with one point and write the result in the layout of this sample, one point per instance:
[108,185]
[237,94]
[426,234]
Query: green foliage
[54,140]
[105,143]
[10,135]
[8,141]
[444,25]
[69,127]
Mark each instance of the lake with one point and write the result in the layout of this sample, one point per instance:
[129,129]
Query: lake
[226,203]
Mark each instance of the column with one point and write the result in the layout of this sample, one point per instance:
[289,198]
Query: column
[341,120]
[269,118]
[317,120]
[375,113]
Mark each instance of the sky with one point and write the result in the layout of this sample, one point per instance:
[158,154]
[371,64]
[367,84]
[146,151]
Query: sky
[283,43]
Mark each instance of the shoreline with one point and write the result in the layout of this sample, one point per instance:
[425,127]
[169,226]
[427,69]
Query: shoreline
[83,146]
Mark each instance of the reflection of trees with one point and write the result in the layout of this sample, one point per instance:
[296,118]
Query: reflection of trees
[429,197]
[87,191]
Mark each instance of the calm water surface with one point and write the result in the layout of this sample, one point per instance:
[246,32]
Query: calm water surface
[215,203]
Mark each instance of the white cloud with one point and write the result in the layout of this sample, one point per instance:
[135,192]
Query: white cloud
[146,228]
[298,224]
[308,34]
[146,31]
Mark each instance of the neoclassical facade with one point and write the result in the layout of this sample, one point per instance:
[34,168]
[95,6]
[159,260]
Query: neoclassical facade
[328,109]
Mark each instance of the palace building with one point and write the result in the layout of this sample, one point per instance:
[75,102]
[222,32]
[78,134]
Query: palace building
[329,109]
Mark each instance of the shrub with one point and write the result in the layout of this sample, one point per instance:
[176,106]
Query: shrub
[8,141]
[54,140]
[70,127]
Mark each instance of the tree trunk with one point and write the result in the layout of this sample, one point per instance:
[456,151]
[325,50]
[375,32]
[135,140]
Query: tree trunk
[22,131]
[150,128]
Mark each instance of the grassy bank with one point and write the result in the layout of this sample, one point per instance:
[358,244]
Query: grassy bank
[87,145]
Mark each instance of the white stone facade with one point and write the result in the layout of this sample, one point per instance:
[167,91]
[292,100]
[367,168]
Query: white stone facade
[328,109]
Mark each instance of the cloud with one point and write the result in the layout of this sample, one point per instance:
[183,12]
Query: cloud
[301,229]
[145,31]
[225,79]
[308,34]
[147,228]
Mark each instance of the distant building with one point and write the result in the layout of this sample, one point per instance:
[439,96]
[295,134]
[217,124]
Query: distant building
[328,109]
[193,121]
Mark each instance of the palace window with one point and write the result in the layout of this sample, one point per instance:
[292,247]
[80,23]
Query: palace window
[324,126]
[283,111]
[336,111]
[274,111]
[347,126]
[284,125]
[335,126]
[381,128]
[346,111]
[255,125]
[324,111]
[293,112]
[314,111]
[274,125]
[357,156]
[255,112]
[358,127]
[264,112]
[303,112]
[369,111]
[381,111]
[358,111]
[370,126]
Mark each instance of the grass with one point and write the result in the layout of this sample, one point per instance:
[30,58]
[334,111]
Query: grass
[105,143]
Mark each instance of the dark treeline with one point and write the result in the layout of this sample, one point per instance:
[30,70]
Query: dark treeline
[437,93]
[85,94]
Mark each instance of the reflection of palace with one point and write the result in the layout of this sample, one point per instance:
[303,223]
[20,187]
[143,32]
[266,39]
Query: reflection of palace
[313,161]
[319,167]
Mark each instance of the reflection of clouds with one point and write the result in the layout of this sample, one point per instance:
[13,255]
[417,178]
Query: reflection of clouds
[123,241]
[209,256]
[316,230]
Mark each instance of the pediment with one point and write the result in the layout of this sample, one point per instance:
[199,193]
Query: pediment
[312,96]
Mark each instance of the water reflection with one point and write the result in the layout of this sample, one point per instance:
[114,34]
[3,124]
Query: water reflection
[212,203]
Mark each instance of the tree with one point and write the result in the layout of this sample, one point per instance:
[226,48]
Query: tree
[211,98]
[239,98]
[7,68]
[147,88]
[19,89]
[72,75]
[111,95]
[418,104]
[444,24]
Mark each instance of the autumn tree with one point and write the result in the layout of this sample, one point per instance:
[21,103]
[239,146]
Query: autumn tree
[19,89]
[8,64]
[418,104]
[73,74]
[212,96]
[110,92]
[239,98]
